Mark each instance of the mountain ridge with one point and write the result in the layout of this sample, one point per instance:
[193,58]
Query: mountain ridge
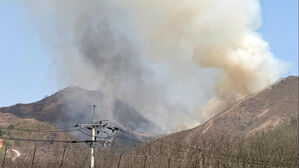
[262,111]
[73,105]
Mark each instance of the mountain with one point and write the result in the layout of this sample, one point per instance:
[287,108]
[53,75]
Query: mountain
[259,131]
[263,111]
[74,105]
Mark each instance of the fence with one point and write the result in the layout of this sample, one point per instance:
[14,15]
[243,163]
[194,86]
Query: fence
[68,157]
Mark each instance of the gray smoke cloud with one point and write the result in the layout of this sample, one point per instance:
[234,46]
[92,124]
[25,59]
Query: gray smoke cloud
[177,62]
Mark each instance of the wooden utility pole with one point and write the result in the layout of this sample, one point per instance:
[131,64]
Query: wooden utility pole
[144,163]
[32,162]
[4,156]
[118,165]
[61,163]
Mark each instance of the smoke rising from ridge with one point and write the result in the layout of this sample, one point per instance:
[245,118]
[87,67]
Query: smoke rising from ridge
[177,62]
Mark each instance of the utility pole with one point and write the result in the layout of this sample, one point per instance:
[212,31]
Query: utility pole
[96,128]
[92,139]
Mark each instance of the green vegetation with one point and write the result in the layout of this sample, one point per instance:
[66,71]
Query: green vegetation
[10,127]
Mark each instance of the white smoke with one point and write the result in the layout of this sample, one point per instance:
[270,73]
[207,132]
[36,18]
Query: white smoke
[177,62]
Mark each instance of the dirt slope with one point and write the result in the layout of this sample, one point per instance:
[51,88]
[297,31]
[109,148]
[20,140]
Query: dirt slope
[12,126]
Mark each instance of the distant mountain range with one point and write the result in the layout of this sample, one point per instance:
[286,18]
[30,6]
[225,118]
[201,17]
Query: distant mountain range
[74,105]
[274,108]
[262,111]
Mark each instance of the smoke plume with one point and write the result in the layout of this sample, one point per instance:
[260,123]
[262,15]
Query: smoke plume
[177,62]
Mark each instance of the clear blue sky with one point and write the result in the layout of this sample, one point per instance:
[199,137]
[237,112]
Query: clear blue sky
[25,72]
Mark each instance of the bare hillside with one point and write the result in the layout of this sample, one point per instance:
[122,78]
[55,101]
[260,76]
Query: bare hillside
[263,111]
[259,131]
[13,127]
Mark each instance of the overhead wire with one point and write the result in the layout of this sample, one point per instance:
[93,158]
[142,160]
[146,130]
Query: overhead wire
[15,97]
[130,139]
[129,130]
[84,133]
[37,130]
[52,141]
[66,130]
[47,140]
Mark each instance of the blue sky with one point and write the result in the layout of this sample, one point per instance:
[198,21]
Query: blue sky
[24,63]
[25,67]
[280,30]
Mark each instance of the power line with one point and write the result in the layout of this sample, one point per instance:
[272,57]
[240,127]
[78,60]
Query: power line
[15,97]
[85,133]
[130,139]
[31,130]
[129,130]
[47,140]
[98,128]
[120,137]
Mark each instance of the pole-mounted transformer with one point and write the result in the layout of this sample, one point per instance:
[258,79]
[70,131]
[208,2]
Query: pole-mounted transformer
[98,129]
